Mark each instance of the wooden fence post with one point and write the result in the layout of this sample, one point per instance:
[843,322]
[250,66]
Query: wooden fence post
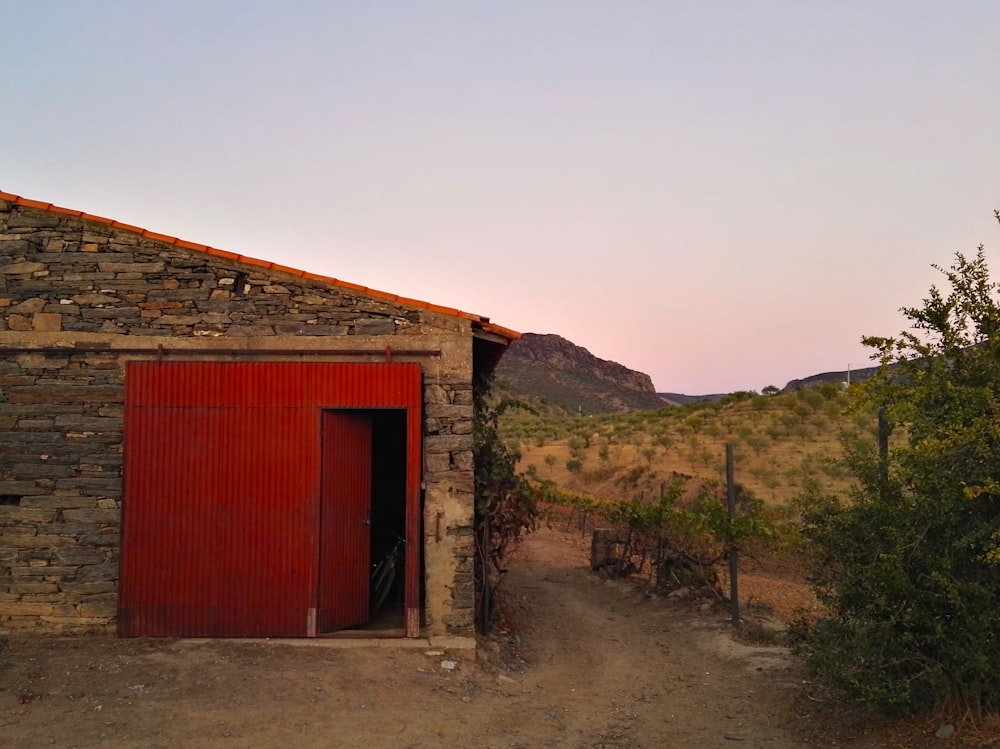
[734,590]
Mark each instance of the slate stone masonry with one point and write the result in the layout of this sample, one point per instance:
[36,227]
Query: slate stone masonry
[70,283]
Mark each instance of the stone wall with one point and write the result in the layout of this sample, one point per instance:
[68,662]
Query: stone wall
[75,294]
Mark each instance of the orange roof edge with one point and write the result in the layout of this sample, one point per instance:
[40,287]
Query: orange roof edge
[222,253]
[499,330]
[477,320]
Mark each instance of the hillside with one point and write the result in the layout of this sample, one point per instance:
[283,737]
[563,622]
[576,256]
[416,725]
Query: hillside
[852,376]
[545,366]
[784,445]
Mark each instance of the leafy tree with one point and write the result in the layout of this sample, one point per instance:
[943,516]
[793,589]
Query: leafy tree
[505,501]
[910,568]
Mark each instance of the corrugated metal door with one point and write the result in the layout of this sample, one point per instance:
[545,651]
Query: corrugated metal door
[345,522]
[222,494]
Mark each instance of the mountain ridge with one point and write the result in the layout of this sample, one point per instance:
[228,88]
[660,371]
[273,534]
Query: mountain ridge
[549,367]
[553,370]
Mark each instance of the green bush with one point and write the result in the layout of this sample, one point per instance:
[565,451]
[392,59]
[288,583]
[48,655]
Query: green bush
[909,567]
[506,503]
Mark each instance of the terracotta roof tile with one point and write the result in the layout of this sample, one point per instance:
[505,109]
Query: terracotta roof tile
[478,320]
[221,253]
[314,277]
[33,204]
[350,286]
[68,211]
[124,226]
[156,237]
[254,261]
[183,243]
[286,269]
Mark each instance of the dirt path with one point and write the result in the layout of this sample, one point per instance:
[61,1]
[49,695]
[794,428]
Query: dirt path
[585,664]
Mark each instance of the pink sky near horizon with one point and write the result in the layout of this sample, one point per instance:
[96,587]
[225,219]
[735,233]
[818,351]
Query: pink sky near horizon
[724,196]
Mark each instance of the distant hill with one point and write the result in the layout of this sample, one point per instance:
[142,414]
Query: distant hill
[854,376]
[547,366]
[680,399]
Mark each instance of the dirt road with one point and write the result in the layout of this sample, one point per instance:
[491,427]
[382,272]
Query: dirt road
[579,663]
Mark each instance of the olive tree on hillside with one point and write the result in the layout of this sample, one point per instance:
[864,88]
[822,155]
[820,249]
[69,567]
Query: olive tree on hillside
[910,566]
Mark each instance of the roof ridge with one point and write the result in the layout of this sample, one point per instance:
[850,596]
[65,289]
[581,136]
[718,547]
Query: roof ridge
[482,321]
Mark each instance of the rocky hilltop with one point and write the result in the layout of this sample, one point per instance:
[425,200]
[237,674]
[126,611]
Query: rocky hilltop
[566,375]
[854,376]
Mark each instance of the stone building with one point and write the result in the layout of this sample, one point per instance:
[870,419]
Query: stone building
[197,443]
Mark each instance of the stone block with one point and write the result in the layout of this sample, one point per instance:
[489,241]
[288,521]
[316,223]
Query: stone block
[78,555]
[110,486]
[46,322]
[24,489]
[32,424]
[373,327]
[82,624]
[97,573]
[31,556]
[26,608]
[87,588]
[34,541]
[11,514]
[29,306]
[19,323]
[107,538]
[311,330]
[447,442]
[144,268]
[65,393]
[59,503]
[178,320]
[436,462]
[103,604]
[462,427]
[34,588]
[21,269]
[94,299]
[463,461]
[96,424]
[101,517]
[40,470]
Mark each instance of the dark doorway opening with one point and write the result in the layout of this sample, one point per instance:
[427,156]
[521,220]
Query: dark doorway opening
[388,520]
[363,577]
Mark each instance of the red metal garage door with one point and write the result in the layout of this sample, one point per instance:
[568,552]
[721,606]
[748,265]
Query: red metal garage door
[221,528]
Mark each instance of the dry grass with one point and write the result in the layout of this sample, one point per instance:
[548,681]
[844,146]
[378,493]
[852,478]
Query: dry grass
[782,446]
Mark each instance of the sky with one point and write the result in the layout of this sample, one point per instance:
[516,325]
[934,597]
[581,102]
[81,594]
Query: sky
[723,195]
